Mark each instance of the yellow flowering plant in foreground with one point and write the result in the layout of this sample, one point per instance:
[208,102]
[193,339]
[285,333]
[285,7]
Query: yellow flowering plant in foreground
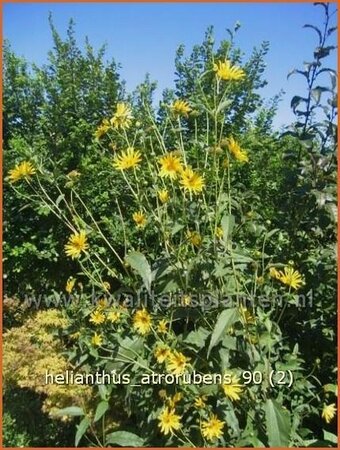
[195,287]
[227,72]
[76,244]
[24,170]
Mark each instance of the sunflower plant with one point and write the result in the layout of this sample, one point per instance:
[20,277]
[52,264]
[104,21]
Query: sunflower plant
[194,294]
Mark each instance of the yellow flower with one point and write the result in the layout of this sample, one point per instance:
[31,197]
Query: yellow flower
[128,159]
[122,117]
[186,300]
[175,399]
[70,285]
[274,273]
[260,280]
[236,151]
[199,402]
[246,315]
[161,353]
[177,363]
[162,393]
[76,244]
[169,421]
[170,166]
[75,335]
[291,277]
[195,238]
[113,316]
[106,286]
[219,232]
[139,218]
[213,428]
[97,339]
[180,108]
[233,389]
[162,327]
[225,71]
[191,181]
[142,321]
[163,195]
[102,129]
[73,174]
[22,170]
[97,317]
[102,304]
[328,412]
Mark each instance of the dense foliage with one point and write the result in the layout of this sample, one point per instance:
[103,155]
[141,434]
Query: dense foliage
[190,240]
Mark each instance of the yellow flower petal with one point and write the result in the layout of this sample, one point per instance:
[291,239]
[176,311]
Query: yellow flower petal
[213,428]
[169,421]
[225,71]
[76,244]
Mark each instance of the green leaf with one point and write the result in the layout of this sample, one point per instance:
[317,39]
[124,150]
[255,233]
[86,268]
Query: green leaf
[232,421]
[170,285]
[140,264]
[323,4]
[176,228]
[271,233]
[227,224]
[125,439]
[220,269]
[240,258]
[129,347]
[59,199]
[229,342]
[332,73]
[322,52]
[277,423]
[315,29]
[222,106]
[70,411]
[103,391]
[296,100]
[306,140]
[81,429]
[331,30]
[331,388]
[317,91]
[296,71]
[289,133]
[197,338]
[330,437]
[101,410]
[225,320]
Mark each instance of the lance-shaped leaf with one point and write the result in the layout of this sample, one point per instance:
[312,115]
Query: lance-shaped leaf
[70,411]
[125,439]
[225,320]
[81,429]
[296,100]
[227,224]
[140,264]
[317,91]
[332,73]
[313,27]
[277,424]
[300,72]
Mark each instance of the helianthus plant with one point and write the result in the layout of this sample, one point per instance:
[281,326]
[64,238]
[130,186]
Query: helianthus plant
[195,286]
